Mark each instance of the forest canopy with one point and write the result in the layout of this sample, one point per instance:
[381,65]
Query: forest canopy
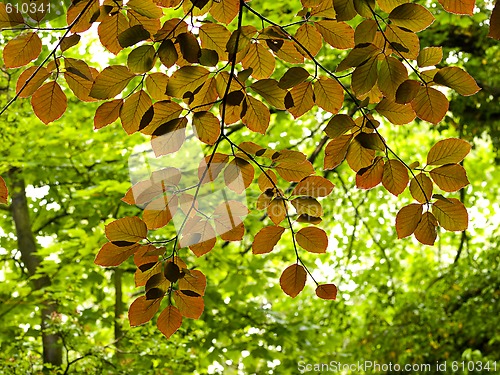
[197,163]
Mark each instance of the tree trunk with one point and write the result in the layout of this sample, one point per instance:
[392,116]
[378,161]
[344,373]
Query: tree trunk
[119,309]
[52,347]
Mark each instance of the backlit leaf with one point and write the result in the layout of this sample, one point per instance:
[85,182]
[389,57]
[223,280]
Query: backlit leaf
[411,16]
[326,291]
[365,76]
[303,99]
[260,60]
[271,92]
[395,177]
[421,188]
[215,37]
[451,215]
[309,38]
[142,310]
[111,82]
[130,229]
[450,177]
[430,56]
[430,104]
[398,114]
[107,113]
[293,171]
[307,205]
[277,210]
[160,211]
[339,125]
[109,29]
[313,186]
[228,217]
[133,110]
[337,34]
[257,116]
[133,35]
[405,41]
[195,281]
[293,280]
[458,6]
[156,84]
[49,102]
[207,127]
[407,219]
[328,94]
[391,74]
[457,79]
[358,156]
[238,175]
[358,55]
[145,8]
[187,78]
[344,9]
[336,151]
[141,59]
[189,307]
[169,321]
[495,22]
[169,137]
[21,50]
[225,11]
[426,231]
[209,172]
[448,151]
[407,91]
[11,18]
[312,239]
[84,13]
[267,238]
[371,176]
[34,82]
[267,180]
[111,255]
[388,5]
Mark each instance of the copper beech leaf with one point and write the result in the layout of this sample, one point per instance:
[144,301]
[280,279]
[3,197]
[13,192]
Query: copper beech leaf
[130,229]
[458,6]
[336,151]
[207,127]
[49,102]
[328,94]
[112,255]
[411,16]
[421,188]
[327,291]
[451,214]
[308,206]
[293,280]
[111,81]
[277,210]
[448,151]
[339,125]
[395,177]
[457,79]
[407,219]
[169,321]
[21,50]
[107,113]
[4,193]
[337,34]
[31,80]
[238,175]
[266,239]
[398,114]
[450,177]
[430,56]
[189,306]
[426,231]
[293,171]
[430,104]
[195,281]
[312,239]
[371,176]
[495,22]
[142,310]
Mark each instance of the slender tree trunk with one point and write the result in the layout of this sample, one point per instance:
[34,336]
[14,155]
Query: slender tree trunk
[119,309]
[52,347]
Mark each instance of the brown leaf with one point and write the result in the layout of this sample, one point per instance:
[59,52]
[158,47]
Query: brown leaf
[426,232]
[4,193]
[267,238]
[407,219]
[277,210]
[337,34]
[131,229]
[339,125]
[398,114]
[448,151]
[421,188]
[238,175]
[450,177]
[111,82]
[21,50]
[336,150]
[142,310]
[457,79]
[328,94]
[189,307]
[35,82]
[293,171]
[169,321]
[411,16]
[395,177]
[207,127]
[195,281]
[49,102]
[458,7]
[326,291]
[430,104]
[313,186]
[107,113]
[257,115]
[293,280]
[371,176]
[430,56]
[451,215]
[312,239]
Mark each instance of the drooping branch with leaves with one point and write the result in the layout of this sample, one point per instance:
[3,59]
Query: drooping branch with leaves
[213,71]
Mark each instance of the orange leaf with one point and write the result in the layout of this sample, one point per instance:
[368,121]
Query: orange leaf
[391,74]
[267,238]
[267,180]
[277,210]
[112,255]
[207,127]
[365,76]
[371,176]
[407,91]
[169,321]
[4,193]
[293,280]
[210,172]
[426,232]
[130,229]
[430,104]
[303,99]
[451,214]
[160,211]
[358,156]
[107,113]
[313,186]
[407,219]
[225,11]
[190,307]
[111,82]
[269,90]
[133,110]
[109,29]
[169,137]
[310,38]
[450,177]
[10,19]
[448,151]
[398,114]
[195,281]
[337,34]
[294,171]
[142,310]
[34,83]
[457,79]
[260,60]
[257,115]
[339,125]
[312,239]
[421,188]
[458,6]
[21,50]
[326,291]
[395,177]
[187,78]
[238,175]
[336,150]
[49,102]
[307,205]
[156,84]
[228,217]
[328,94]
